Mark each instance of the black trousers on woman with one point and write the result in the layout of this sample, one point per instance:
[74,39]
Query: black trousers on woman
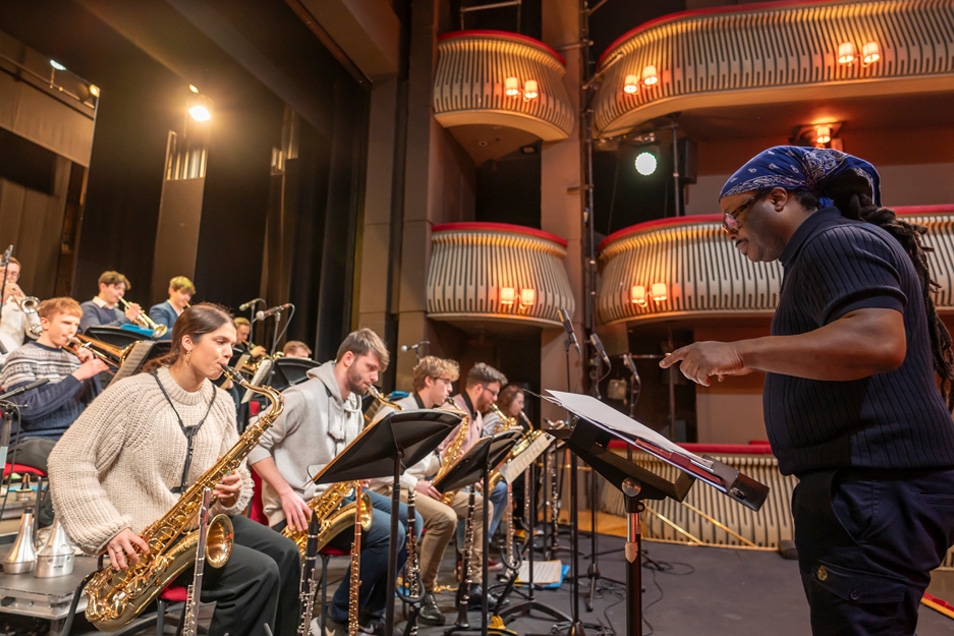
[258,585]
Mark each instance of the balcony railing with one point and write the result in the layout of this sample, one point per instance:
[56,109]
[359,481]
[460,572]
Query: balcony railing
[470,85]
[705,276]
[774,52]
[497,272]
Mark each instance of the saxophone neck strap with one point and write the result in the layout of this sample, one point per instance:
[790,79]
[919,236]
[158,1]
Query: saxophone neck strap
[190,433]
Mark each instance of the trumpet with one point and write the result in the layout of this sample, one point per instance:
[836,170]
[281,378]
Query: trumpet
[30,306]
[113,356]
[143,320]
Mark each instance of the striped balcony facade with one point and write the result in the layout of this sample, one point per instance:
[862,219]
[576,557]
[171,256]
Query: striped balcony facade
[774,52]
[472,262]
[469,85]
[707,277]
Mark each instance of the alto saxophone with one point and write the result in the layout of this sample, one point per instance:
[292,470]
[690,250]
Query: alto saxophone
[116,598]
[332,516]
[452,452]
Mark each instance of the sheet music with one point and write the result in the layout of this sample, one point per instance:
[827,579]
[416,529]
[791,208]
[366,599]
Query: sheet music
[134,361]
[515,467]
[544,572]
[260,374]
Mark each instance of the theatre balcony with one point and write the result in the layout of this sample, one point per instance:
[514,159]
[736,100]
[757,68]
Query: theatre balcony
[774,53]
[685,270]
[497,92]
[497,273]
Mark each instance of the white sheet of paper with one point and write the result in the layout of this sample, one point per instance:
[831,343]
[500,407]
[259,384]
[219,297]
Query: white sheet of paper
[608,418]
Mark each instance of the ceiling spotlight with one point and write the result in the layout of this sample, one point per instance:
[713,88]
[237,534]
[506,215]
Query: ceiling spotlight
[200,113]
[94,90]
[193,88]
[57,65]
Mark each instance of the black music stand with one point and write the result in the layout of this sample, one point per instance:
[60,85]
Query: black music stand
[388,447]
[287,372]
[114,335]
[485,455]
[590,441]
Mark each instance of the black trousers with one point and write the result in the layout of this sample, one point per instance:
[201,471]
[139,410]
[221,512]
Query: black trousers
[34,452]
[258,585]
[867,541]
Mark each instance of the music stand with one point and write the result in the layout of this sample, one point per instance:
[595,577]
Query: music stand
[387,447]
[116,336]
[596,425]
[485,455]
[288,372]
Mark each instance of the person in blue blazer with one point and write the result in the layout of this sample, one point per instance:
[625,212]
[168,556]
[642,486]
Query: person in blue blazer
[181,291]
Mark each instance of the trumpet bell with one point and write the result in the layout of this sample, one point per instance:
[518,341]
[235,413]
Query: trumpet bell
[30,305]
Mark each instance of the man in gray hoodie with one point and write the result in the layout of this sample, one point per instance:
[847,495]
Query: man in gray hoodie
[322,416]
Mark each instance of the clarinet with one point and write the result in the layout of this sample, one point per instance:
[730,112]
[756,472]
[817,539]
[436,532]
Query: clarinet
[355,566]
[190,624]
[412,569]
[466,564]
[309,581]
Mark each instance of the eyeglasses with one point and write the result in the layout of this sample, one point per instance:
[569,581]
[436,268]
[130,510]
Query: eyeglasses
[730,220]
[493,393]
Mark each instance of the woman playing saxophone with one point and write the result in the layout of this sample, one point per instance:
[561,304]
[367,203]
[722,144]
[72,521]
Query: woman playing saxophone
[123,464]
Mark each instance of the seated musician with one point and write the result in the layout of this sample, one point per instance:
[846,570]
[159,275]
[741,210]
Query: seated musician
[511,403]
[433,383]
[480,391]
[181,291]
[103,309]
[14,324]
[50,409]
[296,349]
[322,416]
[120,466]
[243,329]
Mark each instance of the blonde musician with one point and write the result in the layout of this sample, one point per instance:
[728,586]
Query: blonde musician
[125,461]
[322,416]
[433,384]
[243,329]
[296,349]
[14,324]
[49,410]
[103,309]
[181,291]
[480,391]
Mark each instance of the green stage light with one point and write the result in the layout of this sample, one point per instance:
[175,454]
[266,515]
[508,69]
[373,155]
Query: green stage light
[646,163]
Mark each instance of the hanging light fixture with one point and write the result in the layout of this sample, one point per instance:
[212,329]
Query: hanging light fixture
[649,75]
[870,53]
[638,295]
[631,84]
[512,86]
[846,53]
[530,89]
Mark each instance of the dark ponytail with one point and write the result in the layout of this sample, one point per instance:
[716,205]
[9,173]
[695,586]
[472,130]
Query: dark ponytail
[195,322]
[860,207]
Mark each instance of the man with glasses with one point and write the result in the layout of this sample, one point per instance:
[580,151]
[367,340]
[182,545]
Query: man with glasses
[433,383]
[851,399]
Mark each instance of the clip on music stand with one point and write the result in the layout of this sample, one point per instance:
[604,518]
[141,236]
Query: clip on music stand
[485,455]
[385,448]
[597,424]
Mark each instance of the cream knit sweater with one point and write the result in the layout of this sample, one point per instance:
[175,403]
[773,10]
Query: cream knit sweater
[114,468]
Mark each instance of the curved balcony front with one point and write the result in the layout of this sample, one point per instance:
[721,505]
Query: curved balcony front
[705,277]
[773,53]
[470,85]
[495,272]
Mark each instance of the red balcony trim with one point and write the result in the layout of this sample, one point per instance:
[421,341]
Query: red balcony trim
[736,8]
[500,227]
[502,34]
[717,218]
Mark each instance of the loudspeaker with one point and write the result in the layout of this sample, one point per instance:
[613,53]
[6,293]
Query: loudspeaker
[688,160]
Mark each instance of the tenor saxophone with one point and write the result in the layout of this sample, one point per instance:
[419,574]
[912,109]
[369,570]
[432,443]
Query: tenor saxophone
[116,598]
[332,516]
[452,452]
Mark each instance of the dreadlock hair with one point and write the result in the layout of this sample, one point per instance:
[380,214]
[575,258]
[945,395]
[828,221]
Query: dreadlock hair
[860,207]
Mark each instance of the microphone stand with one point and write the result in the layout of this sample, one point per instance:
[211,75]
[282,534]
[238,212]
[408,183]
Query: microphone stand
[3,297]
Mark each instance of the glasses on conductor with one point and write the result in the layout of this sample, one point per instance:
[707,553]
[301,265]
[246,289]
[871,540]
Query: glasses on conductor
[730,220]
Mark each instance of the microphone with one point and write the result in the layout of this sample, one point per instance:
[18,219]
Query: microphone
[245,306]
[598,345]
[6,256]
[415,346]
[24,389]
[262,315]
[565,317]
[628,361]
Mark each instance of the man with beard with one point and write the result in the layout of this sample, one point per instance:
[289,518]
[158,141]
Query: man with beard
[321,417]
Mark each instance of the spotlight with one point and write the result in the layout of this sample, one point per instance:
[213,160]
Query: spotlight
[200,113]
[94,90]
[57,65]
[193,88]
[646,163]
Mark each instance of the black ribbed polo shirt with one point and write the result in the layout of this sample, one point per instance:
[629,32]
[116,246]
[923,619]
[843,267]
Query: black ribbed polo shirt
[832,266]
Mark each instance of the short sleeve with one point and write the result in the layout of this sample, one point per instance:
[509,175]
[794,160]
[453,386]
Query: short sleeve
[850,267]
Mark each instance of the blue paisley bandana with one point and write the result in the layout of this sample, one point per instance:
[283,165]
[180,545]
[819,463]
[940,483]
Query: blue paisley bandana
[830,174]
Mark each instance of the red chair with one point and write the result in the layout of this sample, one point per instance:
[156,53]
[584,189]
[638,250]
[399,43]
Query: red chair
[21,469]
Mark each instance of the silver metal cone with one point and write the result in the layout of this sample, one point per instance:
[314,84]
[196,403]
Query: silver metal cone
[22,557]
[56,556]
